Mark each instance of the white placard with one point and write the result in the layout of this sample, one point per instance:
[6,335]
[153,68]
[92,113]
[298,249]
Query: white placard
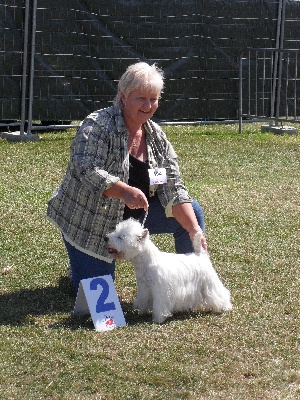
[157,176]
[98,297]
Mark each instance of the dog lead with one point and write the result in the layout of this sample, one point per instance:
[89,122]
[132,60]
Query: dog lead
[145,217]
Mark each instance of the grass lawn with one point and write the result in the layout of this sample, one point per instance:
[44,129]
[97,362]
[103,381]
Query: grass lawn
[249,188]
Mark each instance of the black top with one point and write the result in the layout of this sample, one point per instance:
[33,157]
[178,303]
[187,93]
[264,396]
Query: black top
[139,178]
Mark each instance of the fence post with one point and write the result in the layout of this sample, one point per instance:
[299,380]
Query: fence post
[241,93]
[24,72]
[22,136]
[31,75]
[280,55]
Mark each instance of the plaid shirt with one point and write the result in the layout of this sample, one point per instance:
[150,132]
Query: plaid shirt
[98,159]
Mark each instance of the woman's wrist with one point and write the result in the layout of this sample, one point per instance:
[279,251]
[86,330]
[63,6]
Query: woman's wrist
[117,190]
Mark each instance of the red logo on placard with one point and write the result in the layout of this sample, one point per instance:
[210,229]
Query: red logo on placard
[109,322]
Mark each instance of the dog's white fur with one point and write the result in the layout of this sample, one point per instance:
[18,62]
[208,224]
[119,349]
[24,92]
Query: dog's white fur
[167,282]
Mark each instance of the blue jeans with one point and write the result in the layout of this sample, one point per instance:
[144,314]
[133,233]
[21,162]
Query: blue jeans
[157,222]
[84,266]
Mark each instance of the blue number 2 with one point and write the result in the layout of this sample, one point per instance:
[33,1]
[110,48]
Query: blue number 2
[101,306]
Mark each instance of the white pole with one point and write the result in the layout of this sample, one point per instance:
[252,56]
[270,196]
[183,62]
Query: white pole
[24,73]
[31,74]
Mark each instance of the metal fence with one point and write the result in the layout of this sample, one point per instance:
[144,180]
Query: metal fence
[61,60]
[269,86]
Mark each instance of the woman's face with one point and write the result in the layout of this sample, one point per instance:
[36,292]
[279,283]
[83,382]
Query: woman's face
[139,105]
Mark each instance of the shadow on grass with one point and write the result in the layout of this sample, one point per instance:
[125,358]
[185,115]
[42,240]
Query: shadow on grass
[17,307]
[85,322]
[22,308]
[131,316]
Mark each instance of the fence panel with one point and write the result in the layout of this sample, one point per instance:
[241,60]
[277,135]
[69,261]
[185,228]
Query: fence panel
[11,52]
[270,85]
[82,47]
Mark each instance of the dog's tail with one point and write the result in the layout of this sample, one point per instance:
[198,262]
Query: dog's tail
[197,244]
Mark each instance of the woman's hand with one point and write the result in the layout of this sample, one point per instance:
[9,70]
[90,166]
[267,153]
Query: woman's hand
[203,239]
[135,198]
[132,197]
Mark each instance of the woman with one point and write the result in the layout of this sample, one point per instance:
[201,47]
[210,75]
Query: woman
[116,157]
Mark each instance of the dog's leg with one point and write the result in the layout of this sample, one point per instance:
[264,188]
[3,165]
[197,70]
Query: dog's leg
[159,315]
[143,301]
[162,308]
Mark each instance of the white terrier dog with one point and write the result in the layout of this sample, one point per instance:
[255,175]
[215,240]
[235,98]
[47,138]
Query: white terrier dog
[167,282]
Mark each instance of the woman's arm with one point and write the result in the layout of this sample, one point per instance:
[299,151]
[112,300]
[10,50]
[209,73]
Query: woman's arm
[184,214]
[92,158]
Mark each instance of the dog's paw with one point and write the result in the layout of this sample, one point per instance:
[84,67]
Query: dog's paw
[160,318]
[143,309]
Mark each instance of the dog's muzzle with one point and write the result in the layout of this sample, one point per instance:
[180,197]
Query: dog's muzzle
[110,250]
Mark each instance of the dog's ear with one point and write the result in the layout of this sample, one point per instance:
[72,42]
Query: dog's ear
[144,235]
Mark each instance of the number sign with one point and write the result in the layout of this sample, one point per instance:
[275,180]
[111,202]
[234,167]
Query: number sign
[98,297]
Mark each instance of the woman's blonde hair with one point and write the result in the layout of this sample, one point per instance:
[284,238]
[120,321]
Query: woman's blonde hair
[140,76]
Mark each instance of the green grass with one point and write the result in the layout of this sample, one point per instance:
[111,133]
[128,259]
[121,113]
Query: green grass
[249,187]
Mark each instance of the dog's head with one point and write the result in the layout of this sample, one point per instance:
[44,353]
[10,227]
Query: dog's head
[127,241]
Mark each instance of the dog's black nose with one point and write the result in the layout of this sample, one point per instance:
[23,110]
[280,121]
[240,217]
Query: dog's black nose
[106,239]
